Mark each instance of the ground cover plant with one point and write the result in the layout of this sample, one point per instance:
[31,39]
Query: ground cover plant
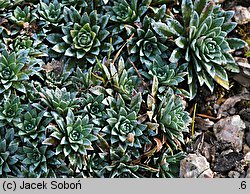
[99,88]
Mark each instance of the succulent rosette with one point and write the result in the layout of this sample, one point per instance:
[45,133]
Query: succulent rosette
[24,16]
[74,136]
[123,127]
[99,164]
[93,105]
[8,154]
[172,118]
[59,100]
[33,125]
[34,45]
[119,78]
[51,12]
[38,161]
[124,12]
[84,37]
[202,43]
[146,43]
[15,69]
[35,158]
[10,111]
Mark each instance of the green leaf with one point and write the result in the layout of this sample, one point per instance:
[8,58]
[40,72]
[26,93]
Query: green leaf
[232,67]
[103,34]
[66,150]
[74,15]
[181,42]
[228,27]
[3,146]
[207,11]
[114,74]
[187,9]
[161,29]
[60,47]
[217,22]
[228,15]
[69,52]
[235,43]
[135,103]
[174,27]
[111,121]
[175,56]
[20,87]
[97,90]
[199,5]
[54,38]
[192,90]
[195,20]
[22,77]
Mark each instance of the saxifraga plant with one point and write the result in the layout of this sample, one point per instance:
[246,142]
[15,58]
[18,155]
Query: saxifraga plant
[83,36]
[127,12]
[59,100]
[123,128]
[96,88]
[74,136]
[15,69]
[146,43]
[168,75]
[202,43]
[9,166]
[10,111]
[23,16]
[50,12]
[38,161]
[33,125]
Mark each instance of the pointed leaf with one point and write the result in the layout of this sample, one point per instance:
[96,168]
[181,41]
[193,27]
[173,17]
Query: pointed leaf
[235,43]
[181,42]
[187,9]
[175,56]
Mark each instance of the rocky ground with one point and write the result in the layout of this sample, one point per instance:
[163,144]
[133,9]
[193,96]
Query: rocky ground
[220,144]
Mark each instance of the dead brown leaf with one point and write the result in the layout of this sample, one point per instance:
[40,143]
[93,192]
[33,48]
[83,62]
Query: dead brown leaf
[158,144]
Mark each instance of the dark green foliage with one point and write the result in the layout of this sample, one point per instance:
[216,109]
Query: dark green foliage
[22,17]
[50,13]
[59,100]
[33,125]
[202,43]
[94,88]
[83,36]
[11,109]
[15,70]
[123,127]
[4,4]
[146,43]
[74,137]
[8,157]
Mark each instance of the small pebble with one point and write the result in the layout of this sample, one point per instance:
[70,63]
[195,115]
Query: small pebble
[246,149]
[233,174]
[232,111]
[242,15]
[248,173]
